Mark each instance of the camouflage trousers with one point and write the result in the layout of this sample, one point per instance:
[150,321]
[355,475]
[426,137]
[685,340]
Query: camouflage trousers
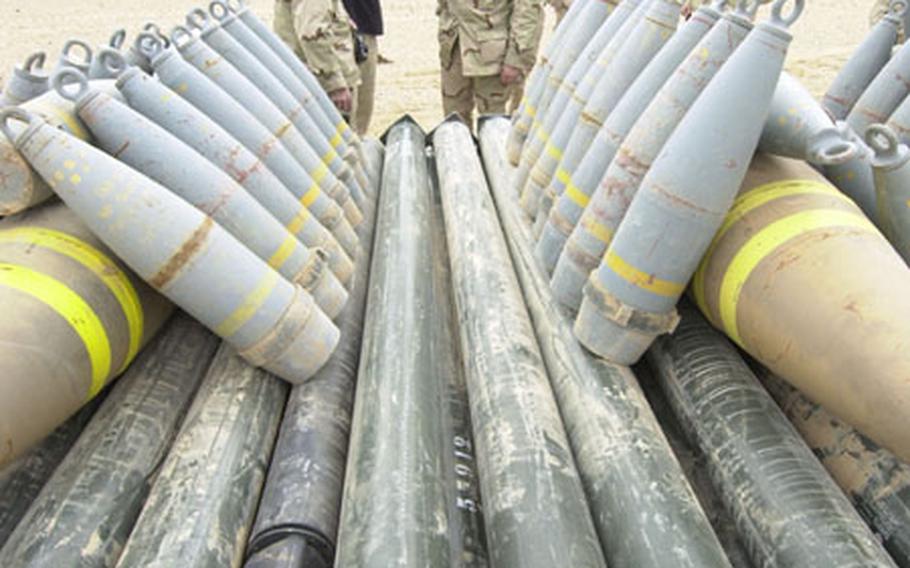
[462,94]
[366,92]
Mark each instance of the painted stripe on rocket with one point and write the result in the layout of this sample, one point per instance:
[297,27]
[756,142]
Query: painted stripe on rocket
[99,264]
[765,242]
[753,199]
[250,305]
[71,307]
[640,278]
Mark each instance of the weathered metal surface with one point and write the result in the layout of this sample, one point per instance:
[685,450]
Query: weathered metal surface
[74,319]
[556,226]
[883,95]
[683,199]
[300,70]
[617,72]
[86,511]
[466,527]
[599,217]
[862,67]
[802,280]
[201,506]
[26,81]
[155,101]
[23,479]
[183,253]
[854,177]
[798,127]
[231,17]
[273,91]
[558,122]
[394,511]
[535,510]
[297,521]
[645,512]
[876,481]
[891,169]
[20,186]
[153,151]
[785,505]
[261,138]
[526,117]
[567,100]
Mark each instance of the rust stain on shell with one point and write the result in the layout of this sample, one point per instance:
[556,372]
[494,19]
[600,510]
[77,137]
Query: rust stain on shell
[183,255]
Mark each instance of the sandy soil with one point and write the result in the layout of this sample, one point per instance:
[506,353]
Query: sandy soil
[824,38]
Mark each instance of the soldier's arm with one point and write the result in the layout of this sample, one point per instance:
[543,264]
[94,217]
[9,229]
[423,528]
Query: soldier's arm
[524,33]
[313,22]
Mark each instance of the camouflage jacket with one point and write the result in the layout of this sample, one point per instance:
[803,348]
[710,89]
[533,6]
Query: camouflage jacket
[322,38]
[490,33]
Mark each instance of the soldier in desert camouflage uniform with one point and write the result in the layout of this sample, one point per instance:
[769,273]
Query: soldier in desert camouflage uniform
[319,33]
[486,47]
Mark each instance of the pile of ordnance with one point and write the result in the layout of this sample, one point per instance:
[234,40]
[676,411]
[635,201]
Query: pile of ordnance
[431,347]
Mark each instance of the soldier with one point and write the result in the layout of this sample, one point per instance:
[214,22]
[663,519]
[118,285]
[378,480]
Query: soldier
[485,49]
[367,16]
[319,33]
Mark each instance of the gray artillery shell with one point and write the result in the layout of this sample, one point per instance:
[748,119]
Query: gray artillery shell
[23,479]
[20,186]
[232,23]
[642,44]
[584,179]
[535,510]
[785,505]
[26,81]
[298,514]
[86,511]
[631,36]
[899,121]
[873,478]
[891,169]
[151,150]
[798,127]
[862,67]
[854,177]
[612,195]
[394,511]
[583,14]
[211,99]
[75,317]
[183,253]
[683,200]
[536,82]
[202,504]
[300,70]
[558,122]
[643,508]
[262,80]
[232,84]
[151,98]
[884,93]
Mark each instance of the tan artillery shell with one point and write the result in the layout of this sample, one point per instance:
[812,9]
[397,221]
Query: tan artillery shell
[73,319]
[804,282]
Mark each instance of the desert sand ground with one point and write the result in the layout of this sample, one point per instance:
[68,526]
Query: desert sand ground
[823,38]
